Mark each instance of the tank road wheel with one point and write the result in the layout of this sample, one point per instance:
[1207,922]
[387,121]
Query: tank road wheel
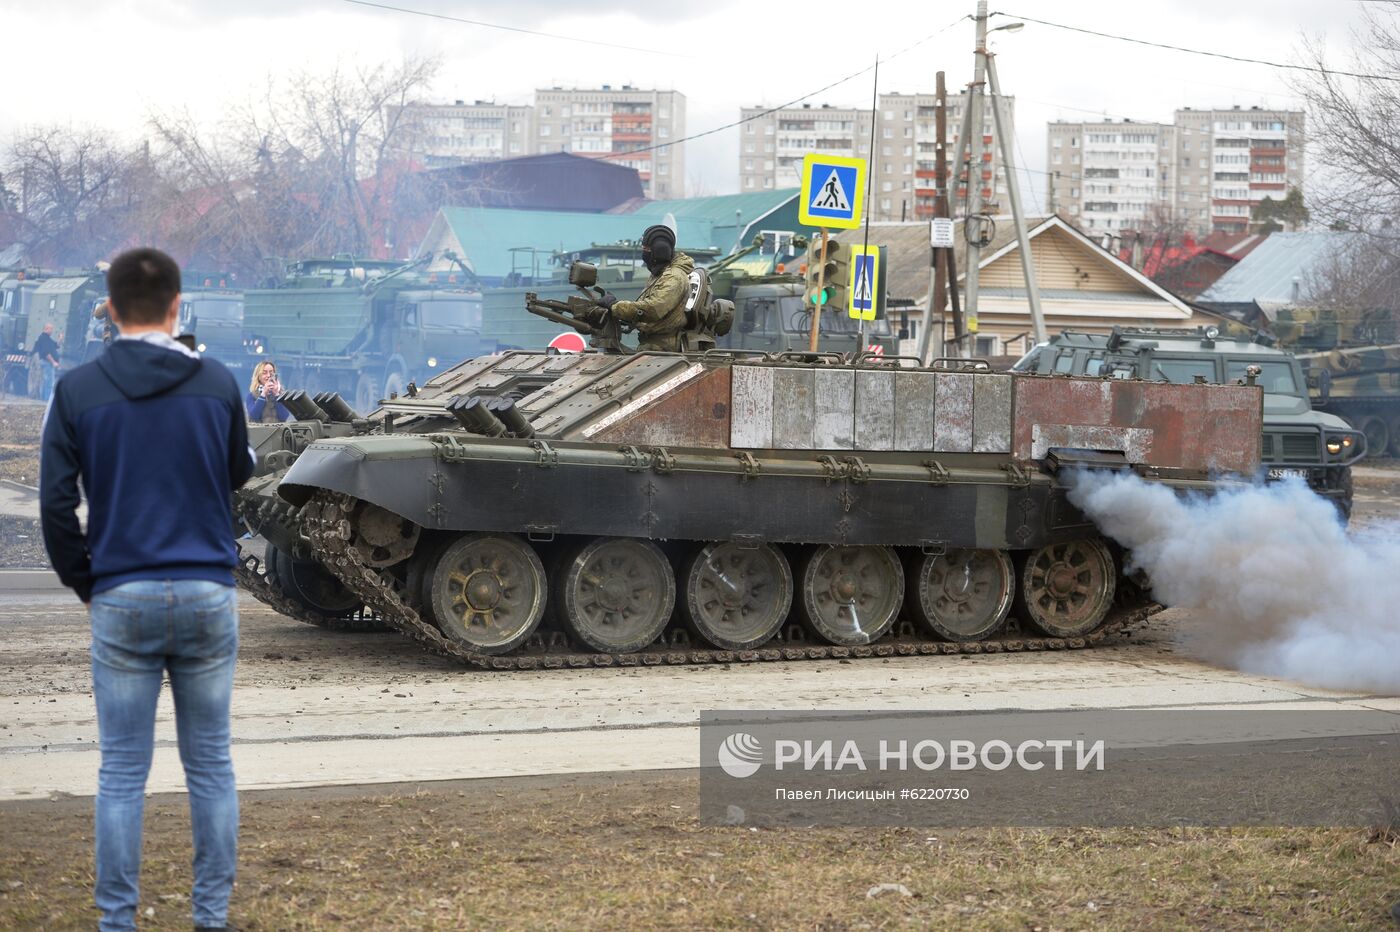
[1066,589]
[962,595]
[735,597]
[367,393]
[851,595]
[617,593]
[311,584]
[1377,433]
[486,592]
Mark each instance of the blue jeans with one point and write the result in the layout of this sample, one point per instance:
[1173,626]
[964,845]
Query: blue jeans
[141,631]
[46,379]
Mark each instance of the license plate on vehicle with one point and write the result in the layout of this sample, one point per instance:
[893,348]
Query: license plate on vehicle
[1281,473]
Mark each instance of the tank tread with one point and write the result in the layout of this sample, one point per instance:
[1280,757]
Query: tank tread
[324,521]
[250,576]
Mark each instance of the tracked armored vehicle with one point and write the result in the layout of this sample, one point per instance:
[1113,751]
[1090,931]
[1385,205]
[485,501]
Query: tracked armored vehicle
[527,510]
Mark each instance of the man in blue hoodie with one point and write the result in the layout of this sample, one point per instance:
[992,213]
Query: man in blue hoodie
[157,436]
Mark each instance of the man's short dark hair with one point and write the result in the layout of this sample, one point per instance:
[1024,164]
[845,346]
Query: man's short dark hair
[141,283]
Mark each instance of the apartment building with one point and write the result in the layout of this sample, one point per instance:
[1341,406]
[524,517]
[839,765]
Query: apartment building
[450,134]
[624,125]
[1111,176]
[1204,172]
[773,144]
[1232,159]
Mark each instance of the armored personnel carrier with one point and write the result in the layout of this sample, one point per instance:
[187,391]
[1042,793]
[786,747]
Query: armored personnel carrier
[526,510]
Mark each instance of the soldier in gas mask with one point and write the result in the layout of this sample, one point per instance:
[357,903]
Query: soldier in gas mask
[659,312]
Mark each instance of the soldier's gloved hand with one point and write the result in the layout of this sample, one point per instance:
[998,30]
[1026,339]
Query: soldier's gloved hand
[607,301]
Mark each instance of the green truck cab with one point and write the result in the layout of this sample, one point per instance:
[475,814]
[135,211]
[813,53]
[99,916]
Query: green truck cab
[361,328]
[1298,442]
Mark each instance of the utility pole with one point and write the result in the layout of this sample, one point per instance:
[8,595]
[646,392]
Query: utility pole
[972,223]
[938,297]
[1013,190]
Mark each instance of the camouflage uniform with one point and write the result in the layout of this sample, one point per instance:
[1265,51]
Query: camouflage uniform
[659,311]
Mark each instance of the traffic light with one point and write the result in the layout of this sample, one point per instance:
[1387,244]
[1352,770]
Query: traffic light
[834,278]
[837,276]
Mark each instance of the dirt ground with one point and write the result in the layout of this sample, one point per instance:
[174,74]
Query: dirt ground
[19,441]
[626,851]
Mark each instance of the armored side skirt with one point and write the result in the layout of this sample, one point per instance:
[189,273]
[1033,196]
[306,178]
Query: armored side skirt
[541,490]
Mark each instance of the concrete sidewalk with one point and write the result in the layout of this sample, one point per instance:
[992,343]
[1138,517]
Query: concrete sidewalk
[12,581]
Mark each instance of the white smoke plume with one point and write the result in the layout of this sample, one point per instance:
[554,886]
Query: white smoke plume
[1280,585]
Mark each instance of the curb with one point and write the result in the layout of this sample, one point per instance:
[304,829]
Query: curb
[29,581]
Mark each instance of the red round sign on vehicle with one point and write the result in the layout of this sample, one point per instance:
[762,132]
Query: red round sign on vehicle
[568,343]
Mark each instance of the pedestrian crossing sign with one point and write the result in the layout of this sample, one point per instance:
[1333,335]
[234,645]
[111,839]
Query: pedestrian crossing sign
[832,188]
[865,282]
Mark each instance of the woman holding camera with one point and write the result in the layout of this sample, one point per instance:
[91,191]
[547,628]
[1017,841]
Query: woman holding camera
[262,402]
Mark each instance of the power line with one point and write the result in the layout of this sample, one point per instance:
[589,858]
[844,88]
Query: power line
[519,29]
[609,156]
[1178,48]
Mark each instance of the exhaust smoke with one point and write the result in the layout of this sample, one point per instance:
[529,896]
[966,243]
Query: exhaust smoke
[1281,587]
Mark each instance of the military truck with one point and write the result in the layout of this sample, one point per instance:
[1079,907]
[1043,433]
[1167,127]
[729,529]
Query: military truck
[1298,442]
[1352,363]
[361,328]
[527,510]
[16,297]
[67,301]
[214,317]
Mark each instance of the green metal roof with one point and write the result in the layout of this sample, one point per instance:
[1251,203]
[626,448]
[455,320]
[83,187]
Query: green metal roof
[488,234]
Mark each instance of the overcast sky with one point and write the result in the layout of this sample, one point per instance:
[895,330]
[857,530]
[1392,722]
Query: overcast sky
[108,64]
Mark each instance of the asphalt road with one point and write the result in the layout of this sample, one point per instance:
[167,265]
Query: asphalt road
[316,708]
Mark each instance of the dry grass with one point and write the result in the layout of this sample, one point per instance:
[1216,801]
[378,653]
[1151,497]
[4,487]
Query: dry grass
[628,852]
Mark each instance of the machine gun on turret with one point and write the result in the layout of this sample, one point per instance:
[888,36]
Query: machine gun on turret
[583,312]
[706,317]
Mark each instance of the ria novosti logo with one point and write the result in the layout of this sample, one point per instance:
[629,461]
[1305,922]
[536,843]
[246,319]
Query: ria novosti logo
[740,755]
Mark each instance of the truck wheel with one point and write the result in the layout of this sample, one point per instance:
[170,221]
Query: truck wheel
[1067,589]
[394,383]
[367,393]
[851,595]
[1377,433]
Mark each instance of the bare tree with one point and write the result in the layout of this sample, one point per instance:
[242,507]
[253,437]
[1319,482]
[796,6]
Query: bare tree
[316,166]
[72,196]
[1354,123]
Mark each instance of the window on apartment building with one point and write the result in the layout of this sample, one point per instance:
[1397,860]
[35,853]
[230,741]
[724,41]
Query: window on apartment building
[514,146]
[908,169]
[885,150]
[1074,159]
[1205,163]
[748,128]
[908,132]
[905,186]
[886,186]
[1205,179]
[908,114]
[663,132]
[767,147]
[748,147]
[908,151]
[748,182]
[564,111]
[1056,143]
[748,165]
[889,114]
[768,182]
[665,113]
[1073,192]
[663,169]
[545,111]
[1074,142]
[544,130]
[1074,208]
[888,168]
[887,132]
[1056,159]
[768,130]
[884,203]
